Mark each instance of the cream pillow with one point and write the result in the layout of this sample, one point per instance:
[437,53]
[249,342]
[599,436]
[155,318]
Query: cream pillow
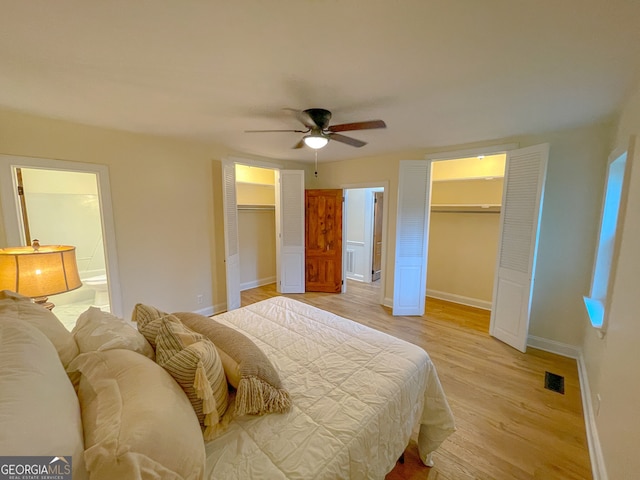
[96,330]
[138,423]
[195,364]
[39,410]
[22,308]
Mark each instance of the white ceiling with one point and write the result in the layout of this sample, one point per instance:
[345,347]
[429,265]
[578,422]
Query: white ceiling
[439,72]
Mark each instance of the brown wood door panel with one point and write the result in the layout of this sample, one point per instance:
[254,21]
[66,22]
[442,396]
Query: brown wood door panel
[323,240]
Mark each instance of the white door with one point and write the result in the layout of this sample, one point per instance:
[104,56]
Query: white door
[290,231]
[231,244]
[410,284]
[525,174]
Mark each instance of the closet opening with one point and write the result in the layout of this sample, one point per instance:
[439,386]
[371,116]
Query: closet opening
[256,200]
[464,233]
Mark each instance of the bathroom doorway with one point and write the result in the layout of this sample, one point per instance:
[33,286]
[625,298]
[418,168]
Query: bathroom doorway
[66,207]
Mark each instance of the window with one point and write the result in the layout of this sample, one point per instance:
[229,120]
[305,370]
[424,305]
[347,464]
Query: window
[608,241]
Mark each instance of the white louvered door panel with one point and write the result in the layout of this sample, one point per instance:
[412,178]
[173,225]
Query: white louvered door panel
[290,231]
[520,225]
[231,244]
[410,282]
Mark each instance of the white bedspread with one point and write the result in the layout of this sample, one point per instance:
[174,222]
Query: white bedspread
[357,395]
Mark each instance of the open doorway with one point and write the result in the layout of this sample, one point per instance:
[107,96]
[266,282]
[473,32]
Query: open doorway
[464,233]
[65,203]
[365,228]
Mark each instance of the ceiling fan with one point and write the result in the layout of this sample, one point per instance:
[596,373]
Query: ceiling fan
[319,132]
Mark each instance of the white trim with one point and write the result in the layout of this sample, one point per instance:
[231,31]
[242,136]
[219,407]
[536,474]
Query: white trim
[207,311]
[255,163]
[455,298]
[552,346]
[357,277]
[472,152]
[257,283]
[354,242]
[598,468]
[387,302]
[13,223]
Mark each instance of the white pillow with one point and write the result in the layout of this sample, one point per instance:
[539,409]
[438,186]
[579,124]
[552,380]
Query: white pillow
[96,330]
[138,423]
[14,305]
[39,410]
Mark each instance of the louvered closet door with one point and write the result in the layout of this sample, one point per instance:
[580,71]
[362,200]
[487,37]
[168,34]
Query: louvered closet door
[410,283]
[290,231]
[231,244]
[520,225]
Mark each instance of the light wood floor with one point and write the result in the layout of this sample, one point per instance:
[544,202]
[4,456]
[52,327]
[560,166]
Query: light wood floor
[508,425]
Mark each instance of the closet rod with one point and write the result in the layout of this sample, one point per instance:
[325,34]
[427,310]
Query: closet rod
[465,211]
[256,207]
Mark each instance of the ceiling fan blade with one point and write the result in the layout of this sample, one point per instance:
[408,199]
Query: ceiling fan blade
[348,140]
[268,131]
[300,144]
[303,117]
[346,127]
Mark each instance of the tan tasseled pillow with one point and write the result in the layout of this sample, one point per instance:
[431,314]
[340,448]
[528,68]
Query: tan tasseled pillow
[194,363]
[247,367]
[148,320]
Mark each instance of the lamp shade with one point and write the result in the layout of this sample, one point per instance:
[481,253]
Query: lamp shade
[50,270]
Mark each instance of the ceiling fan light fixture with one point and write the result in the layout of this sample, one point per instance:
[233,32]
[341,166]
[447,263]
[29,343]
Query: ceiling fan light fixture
[315,141]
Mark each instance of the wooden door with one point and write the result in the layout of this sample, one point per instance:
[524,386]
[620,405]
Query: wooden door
[376,264]
[323,240]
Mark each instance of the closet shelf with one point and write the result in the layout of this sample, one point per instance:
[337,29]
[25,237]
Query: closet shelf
[465,207]
[258,184]
[256,207]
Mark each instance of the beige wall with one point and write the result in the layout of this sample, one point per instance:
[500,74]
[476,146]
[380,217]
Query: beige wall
[571,209]
[166,198]
[257,239]
[462,256]
[162,193]
[167,205]
[613,363]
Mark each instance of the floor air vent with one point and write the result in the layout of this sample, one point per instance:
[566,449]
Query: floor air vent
[554,382]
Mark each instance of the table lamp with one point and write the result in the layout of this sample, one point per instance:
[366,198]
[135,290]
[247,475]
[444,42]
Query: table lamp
[39,271]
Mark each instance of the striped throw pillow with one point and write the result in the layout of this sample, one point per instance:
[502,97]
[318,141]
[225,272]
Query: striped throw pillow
[193,361]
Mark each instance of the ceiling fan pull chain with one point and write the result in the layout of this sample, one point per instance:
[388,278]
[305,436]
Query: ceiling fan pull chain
[316,152]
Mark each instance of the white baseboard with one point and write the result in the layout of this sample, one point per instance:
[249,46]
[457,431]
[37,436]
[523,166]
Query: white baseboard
[552,346]
[595,450]
[355,276]
[598,468]
[452,297]
[207,311]
[257,283]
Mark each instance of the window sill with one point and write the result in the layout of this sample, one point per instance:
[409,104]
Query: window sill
[595,310]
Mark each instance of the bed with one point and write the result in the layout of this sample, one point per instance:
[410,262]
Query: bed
[357,395]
